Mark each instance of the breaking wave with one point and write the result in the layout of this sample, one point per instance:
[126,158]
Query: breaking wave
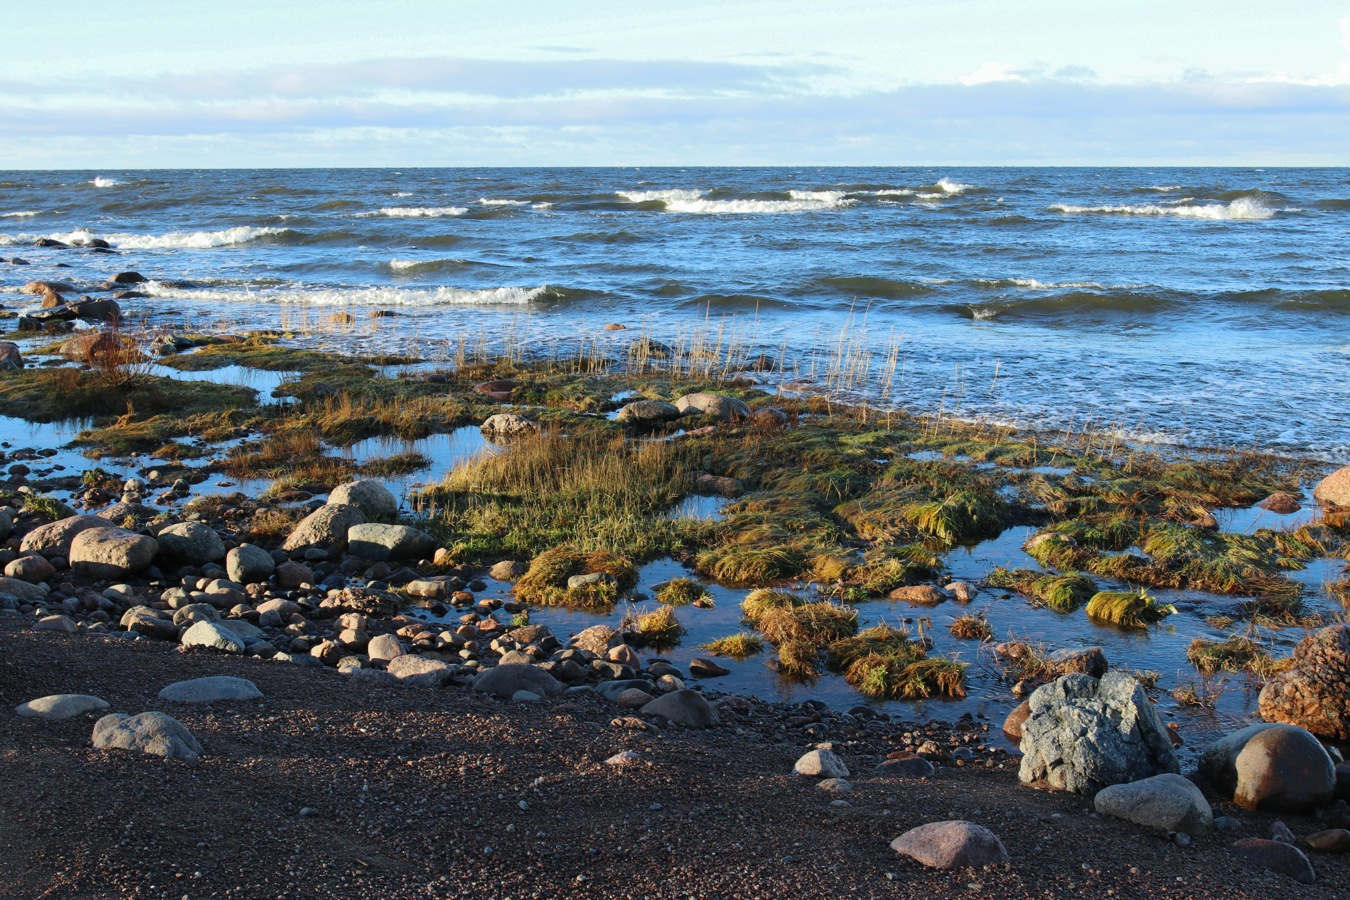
[193,240]
[1243,208]
[365,296]
[415,212]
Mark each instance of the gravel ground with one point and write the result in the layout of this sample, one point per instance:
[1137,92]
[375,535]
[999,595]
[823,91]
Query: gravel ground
[444,793]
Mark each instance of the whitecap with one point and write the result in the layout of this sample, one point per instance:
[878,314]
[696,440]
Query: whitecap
[1243,208]
[299,295]
[490,201]
[401,194]
[951,187]
[415,212]
[667,196]
[21,214]
[102,182]
[185,240]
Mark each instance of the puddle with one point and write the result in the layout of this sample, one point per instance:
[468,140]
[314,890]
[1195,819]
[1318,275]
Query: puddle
[261,380]
[445,452]
[1249,519]
[700,507]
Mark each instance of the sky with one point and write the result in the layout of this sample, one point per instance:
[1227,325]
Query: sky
[152,84]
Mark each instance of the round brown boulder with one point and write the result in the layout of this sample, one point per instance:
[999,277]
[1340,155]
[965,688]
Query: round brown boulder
[1280,768]
[1012,726]
[111,553]
[1313,694]
[950,845]
[1334,490]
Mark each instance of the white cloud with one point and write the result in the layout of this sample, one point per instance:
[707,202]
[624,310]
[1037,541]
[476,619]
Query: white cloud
[994,71]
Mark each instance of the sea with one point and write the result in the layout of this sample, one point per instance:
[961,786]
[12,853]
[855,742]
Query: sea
[1197,307]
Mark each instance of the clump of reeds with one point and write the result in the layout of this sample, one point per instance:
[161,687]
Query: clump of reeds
[816,623]
[760,601]
[798,659]
[545,583]
[737,646]
[961,517]
[887,677]
[681,592]
[884,640]
[972,627]
[1128,610]
[658,628]
[1064,593]
[1235,654]
[738,564]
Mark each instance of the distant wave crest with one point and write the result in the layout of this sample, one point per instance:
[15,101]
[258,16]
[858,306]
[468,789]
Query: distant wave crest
[366,296]
[184,240]
[415,212]
[1243,208]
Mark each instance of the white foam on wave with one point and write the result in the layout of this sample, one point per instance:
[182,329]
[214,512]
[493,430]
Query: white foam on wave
[182,240]
[418,265]
[666,196]
[1165,188]
[415,212]
[102,182]
[689,201]
[822,196]
[298,295]
[492,201]
[21,214]
[543,204]
[1243,208]
[401,194]
[951,187]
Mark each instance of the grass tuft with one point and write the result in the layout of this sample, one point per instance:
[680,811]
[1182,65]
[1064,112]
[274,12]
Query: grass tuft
[1128,610]
[737,646]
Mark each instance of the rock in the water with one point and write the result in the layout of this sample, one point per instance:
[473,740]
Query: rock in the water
[919,595]
[684,707]
[950,845]
[1083,660]
[53,539]
[701,667]
[249,564]
[213,636]
[821,764]
[1084,734]
[111,553]
[60,706]
[1012,726]
[372,498]
[10,357]
[1166,802]
[211,689]
[597,639]
[1334,490]
[1278,857]
[191,543]
[325,528]
[507,425]
[1280,768]
[1281,503]
[1313,693]
[149,732]
[504,681]
[648,412]
[381,542]
[715,405]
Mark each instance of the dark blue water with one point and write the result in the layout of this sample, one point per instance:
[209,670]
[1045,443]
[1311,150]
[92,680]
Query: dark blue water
[1200,306]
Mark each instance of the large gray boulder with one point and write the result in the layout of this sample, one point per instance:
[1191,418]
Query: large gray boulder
[60,706]
[372,498]
[1084,734]
[249,564]
[211,689]
[1282,768]
[715,405]
[648,412]
[1315,692]
[507,425]
[1334,490]
[503,681]
[597,639]
[149,732]
[53,539]
[420,671]
[213,636]
[380,542]
[110,553]
[951,845]
[191,543]
[683,707]
[1166,802]
[325,528]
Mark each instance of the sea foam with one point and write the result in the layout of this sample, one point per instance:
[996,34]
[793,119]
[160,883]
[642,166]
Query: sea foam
[1243,208]
[102,182]
[186,240]
[360,296]
[687,201]
[415,212]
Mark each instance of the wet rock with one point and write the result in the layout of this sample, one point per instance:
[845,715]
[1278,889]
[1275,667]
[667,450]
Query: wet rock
[507,425]
[1312,694]
[48,287]
[10,357]
[1012,726]
[1281,768]
[648,412]
[1278,857]
[1084,660]
[715,405]
[1281,503]
[371,497]
[685,707]
[499,390]
[700,667]
[649,349]
[961,592]
[213,636]
[111,553]
[54,538]
[950,845]
[128,278]
[58,707]
[211,689]
[503,681]
[191,543]
[919,595]
[378,542]
[325,528]
[1166,802]
[149,732]
[821,764]
[1334,490]
[1084,734]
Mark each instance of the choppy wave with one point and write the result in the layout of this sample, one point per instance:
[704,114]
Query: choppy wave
[21,214]
[415,212]
[299,295]
[492,201]
[1334,203]
[102,182]
[666,196]
[949,186]
[744,302]
[187,240]
[1243,208]
[873,286]
[429,266]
